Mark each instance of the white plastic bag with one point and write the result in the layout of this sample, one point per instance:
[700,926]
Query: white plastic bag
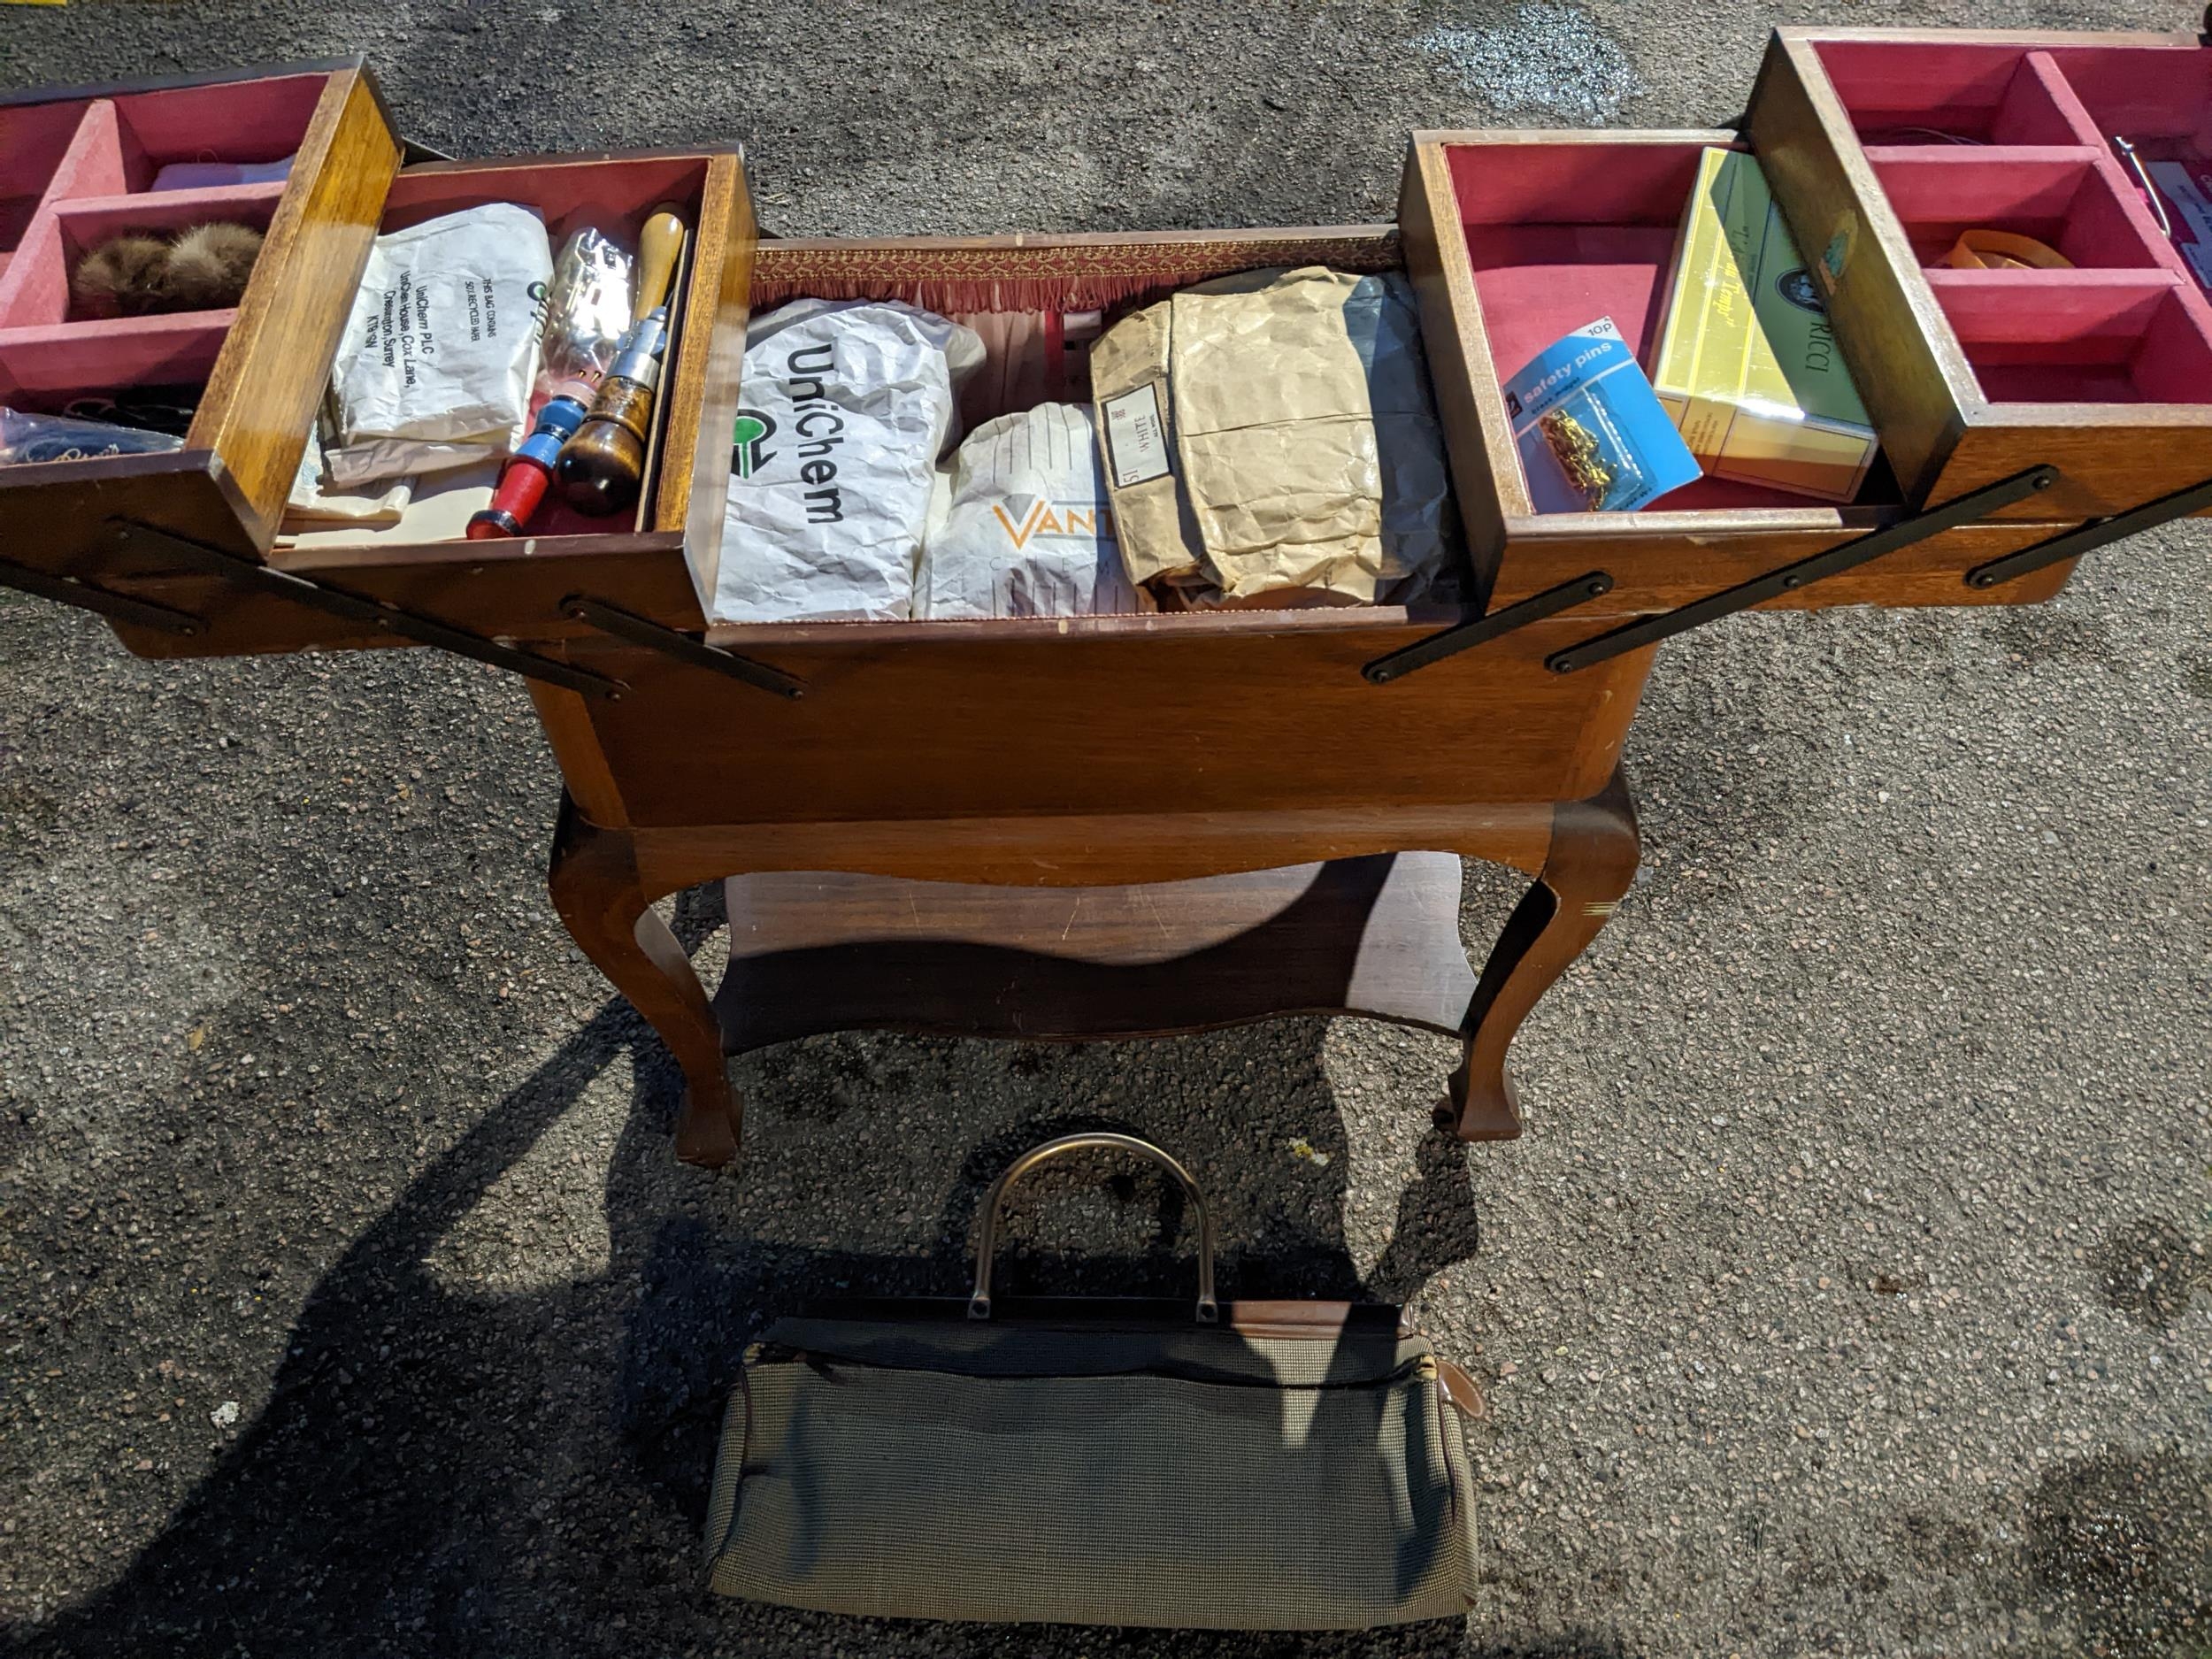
[846,406]
[1029,532]
[439,355]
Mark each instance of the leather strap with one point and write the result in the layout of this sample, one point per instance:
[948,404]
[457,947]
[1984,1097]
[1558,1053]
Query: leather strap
[1458,1388]
[2002,251]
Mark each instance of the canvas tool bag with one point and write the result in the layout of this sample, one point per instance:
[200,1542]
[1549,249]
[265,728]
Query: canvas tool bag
[1256,1465]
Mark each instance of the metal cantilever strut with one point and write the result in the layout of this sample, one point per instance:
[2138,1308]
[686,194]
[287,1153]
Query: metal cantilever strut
[1650,630]
[125,532]
[2089,537]
[1465,636]
[73,590]
[639,630]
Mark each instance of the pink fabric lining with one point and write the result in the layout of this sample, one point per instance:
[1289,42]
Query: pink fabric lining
[1597,185]
[72,174]
[2040,95]
[236,121]
[66,357]
[2129,324]
[1987,92]
[32,141]
[615,195]
[2103,337]
[2033,316]
[2141,92]
[1561,235]
[40,297]
[2068,200]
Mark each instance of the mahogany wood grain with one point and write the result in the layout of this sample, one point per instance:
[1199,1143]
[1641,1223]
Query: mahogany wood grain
[1674,566]
[703,389]
[606,908]
[1174,714]
[496,590]
[54,517]
[590,783]
[1592,860]
[2134,454]
[1091,849]
[1150,959]
[262,395]
[811,952]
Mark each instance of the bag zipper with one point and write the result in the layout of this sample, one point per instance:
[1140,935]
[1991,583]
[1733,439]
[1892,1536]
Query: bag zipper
[783,1354]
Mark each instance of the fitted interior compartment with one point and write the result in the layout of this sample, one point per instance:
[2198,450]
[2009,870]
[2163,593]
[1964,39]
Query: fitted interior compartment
[2151,95]
[1561,235]
[2073,200]
[1954,92]
[73,172]
[49,345]
[1021,298]
[2004,107]
[250,122]
[2019,137]
[615,197]
[2103,337]
[34,138]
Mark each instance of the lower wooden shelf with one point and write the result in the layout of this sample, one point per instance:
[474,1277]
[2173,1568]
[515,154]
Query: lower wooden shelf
[812,953]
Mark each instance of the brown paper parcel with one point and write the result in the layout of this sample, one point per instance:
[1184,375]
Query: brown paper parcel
[1271,435]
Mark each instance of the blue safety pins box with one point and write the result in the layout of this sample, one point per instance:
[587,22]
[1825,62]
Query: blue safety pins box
[1594,437]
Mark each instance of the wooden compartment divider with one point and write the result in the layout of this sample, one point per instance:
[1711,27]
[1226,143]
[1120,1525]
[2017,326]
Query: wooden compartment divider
[2100,370]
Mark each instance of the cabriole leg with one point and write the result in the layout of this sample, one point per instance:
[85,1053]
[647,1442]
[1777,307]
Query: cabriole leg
[1590,864]
[594,879]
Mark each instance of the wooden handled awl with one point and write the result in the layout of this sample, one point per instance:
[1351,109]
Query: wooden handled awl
[603,465]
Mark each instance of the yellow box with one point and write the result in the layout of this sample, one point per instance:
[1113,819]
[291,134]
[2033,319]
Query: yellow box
[1748,364]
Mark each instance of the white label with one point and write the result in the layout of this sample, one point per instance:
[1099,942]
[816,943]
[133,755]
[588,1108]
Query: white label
[2175,183]
[1136,438]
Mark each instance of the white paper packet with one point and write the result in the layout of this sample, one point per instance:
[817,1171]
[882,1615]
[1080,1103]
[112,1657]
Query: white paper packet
[435,367]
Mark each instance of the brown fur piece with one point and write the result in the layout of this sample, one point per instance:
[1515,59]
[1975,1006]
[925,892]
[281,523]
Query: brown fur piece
[209,265]
[202,269]
[122,277]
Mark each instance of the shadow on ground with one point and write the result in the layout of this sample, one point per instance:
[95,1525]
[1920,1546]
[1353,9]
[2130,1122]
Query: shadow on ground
[434,1472]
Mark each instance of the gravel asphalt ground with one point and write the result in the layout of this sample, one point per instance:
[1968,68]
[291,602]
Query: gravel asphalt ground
[1848,1294]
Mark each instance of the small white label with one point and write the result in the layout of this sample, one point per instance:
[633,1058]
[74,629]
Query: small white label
[1136,438]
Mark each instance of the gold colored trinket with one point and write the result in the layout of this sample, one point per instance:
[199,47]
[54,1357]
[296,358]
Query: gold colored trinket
[1579,455]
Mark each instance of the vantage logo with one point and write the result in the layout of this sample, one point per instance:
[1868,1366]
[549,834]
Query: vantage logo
[1035,517]
[752,431]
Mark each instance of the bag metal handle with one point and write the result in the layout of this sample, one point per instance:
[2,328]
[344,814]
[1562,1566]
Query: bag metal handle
[993,1203]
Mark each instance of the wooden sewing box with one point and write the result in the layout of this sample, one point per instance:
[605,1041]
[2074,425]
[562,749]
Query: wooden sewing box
[1060,828]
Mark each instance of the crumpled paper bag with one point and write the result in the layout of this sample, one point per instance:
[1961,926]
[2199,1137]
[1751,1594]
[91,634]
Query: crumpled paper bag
[1270,438]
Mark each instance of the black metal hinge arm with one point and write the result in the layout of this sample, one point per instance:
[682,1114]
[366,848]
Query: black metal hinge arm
[1848,555]
[124,533]
[1465,636]
[639,630]
[70,590]
[2089,537]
